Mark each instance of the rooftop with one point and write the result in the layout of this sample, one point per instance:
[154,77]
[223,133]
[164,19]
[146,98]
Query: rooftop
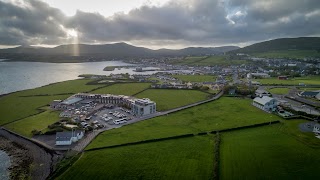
[71,100]
[262,100]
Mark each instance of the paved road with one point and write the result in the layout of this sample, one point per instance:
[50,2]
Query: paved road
[297,106]
[82,144]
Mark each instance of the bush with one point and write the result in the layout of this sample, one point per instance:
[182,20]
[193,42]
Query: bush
[36,132]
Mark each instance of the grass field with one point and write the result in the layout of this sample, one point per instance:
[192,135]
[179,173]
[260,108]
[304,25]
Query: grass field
[13,107]
[16,106]
[266,153]
[123,89]
[36,122]
[187,158]
[220,114]
[169,98]
[218,60]
[72,86]
[311,80]
[208,61]
[195,78]
[279,90]
[310,89]
[299,54]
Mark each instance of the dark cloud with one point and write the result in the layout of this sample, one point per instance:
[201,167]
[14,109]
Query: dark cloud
[179,22]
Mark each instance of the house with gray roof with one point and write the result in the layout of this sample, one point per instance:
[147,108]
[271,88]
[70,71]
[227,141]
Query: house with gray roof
[265,103]
[68,137]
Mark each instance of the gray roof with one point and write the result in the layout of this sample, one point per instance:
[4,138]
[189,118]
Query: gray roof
[309,93]
[71,100]
[262,100]
[65,136]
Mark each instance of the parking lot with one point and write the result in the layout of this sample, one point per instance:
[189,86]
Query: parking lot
[110,118]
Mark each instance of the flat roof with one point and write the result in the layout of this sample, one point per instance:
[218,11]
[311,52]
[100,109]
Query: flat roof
[71,100]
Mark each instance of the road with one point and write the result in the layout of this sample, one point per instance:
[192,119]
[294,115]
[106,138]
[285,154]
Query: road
[82,144]
[296,105]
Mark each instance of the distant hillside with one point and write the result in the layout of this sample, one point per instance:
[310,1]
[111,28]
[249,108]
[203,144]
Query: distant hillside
[284,44]
[101,52]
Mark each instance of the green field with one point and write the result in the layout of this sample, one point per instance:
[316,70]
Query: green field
[298,54]
[310,89]
[310,80]
[282,91]
[123,88]
[72,86]
[13,107]
[24,103]
[266,153]
[171,98]
[208,61]
[218,60]
[195,78]
[187,158]
[37,122]
[220,114]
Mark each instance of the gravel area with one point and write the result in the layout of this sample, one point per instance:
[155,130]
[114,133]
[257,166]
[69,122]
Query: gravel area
[24,153]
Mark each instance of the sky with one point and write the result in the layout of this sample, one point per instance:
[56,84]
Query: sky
[155,23]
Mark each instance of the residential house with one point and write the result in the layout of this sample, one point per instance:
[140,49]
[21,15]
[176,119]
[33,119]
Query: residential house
[67,138]
[265,103]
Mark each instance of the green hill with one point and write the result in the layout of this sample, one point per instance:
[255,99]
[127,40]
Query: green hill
[284,44]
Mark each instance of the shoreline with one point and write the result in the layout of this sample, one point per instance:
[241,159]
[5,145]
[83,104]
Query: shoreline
[20,160]
[28,160]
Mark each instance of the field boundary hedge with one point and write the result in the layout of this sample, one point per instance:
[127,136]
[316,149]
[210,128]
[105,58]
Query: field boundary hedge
[183,136]
[216,153]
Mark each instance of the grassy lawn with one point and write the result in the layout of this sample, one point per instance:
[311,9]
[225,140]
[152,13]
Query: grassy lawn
[38,122]
[170,98]
[220,114]
[266,153]
[123,89]
[72,86]
[310,80]
[279,90]
[13,107]
[310,89]
[187,158]
[299,54]
[195,78]
[218,60]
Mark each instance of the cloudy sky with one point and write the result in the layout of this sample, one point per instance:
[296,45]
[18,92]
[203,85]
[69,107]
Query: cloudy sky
[155,23]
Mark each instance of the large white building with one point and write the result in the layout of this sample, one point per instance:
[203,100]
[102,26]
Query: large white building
[142,107]
[67,138]
[265,103]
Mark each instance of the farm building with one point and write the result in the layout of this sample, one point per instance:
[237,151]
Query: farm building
[265,103]
[282,77]
[67,138]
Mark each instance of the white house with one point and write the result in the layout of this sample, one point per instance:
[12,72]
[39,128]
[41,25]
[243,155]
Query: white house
[143,107]
[265,103]
[67,138]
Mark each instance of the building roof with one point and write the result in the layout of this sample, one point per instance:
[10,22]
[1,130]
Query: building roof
[71,100]
[66,136]
[309,93]
[262,100]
